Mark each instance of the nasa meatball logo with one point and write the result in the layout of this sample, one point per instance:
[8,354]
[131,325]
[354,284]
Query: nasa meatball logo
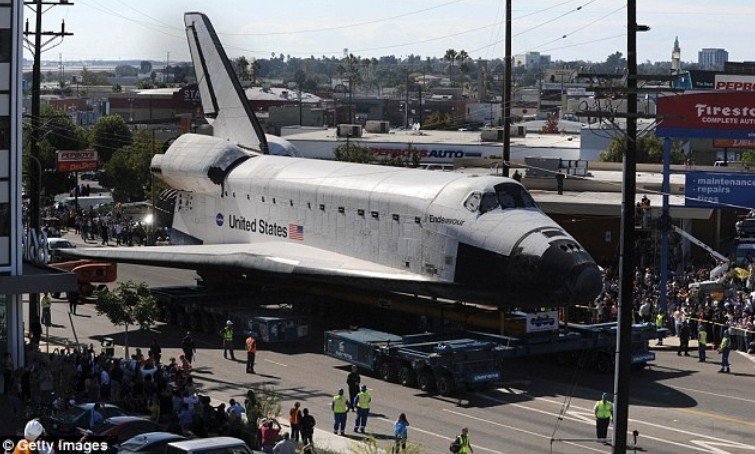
[219,219]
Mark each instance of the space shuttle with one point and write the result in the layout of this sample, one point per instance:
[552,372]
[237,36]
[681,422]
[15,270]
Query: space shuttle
[244,212]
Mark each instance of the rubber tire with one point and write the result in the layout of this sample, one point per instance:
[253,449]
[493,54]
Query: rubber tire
[603,363]
[426,382]
[388,372]
[445,384]
[406,377]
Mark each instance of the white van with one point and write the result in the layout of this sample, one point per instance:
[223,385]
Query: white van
[213,445]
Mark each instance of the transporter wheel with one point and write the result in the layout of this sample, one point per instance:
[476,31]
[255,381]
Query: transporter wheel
[406,376]
[426,381]
[603,363]
[445,384]
[388,372]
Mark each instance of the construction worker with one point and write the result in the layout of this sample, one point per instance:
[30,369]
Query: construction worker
[603,414]
[32,432]
[461,444]
[227,334]
[46,306]
[251,352]
[659,319]
[340,407]
[702,342]
[724,349]
[363,409]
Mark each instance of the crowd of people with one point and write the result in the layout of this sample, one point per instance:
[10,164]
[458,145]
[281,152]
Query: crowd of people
[113,228]
[723,305]
[144,384]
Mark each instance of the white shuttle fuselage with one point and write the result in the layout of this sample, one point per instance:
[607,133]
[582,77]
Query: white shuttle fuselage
[241,211]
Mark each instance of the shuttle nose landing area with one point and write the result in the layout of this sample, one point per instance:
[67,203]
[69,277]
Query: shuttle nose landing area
[573,272]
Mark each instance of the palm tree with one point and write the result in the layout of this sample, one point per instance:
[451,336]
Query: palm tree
[255,69]
[450,57]
[463,66]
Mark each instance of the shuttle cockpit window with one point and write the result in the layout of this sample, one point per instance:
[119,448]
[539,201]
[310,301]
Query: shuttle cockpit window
[473,202]
[506,196]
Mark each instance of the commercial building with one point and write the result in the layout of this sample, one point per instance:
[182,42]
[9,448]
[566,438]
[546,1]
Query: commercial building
[20,270]
[712,58]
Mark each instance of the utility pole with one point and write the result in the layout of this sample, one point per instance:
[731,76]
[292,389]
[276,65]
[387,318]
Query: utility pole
[36,85]
[406,110]
[507,96]
[626,251]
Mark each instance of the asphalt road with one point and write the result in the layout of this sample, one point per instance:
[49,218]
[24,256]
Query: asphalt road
[678,405]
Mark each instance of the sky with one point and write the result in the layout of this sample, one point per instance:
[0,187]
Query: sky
[565,29]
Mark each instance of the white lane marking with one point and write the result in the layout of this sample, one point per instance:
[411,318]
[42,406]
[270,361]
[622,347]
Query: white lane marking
[444,437]
[581,419]
[715,446]
[535,434]
[714,394]
[747,355]
[274,362]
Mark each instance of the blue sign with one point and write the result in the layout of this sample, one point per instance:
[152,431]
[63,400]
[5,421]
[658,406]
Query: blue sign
[717,190]
[219,220]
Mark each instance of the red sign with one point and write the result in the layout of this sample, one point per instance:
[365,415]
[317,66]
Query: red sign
[77,166]
[77,160]
[733,143]
[714,114]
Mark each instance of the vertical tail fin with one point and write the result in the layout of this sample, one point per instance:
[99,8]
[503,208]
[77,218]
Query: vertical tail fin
[223,100]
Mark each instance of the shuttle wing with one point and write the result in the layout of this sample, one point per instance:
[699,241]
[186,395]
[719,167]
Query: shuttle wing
[274,257]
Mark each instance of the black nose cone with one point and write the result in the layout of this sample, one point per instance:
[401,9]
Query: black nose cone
[587,282]
[573,275]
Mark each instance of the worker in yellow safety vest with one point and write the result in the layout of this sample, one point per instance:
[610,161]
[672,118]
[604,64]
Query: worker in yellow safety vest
[724,350]
[46,306]
[462,444]
[603,414]
[363,401]
[659,319]
[702,341]
[340,407]
[227,334]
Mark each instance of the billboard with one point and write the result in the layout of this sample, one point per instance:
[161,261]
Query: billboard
[720,114]
[711,189]
[77,160]
[735,82]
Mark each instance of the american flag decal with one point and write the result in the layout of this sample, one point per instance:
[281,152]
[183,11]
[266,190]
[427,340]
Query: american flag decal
[296,232]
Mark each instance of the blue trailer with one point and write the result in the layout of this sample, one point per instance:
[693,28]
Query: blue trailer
[469,359]
[430,361]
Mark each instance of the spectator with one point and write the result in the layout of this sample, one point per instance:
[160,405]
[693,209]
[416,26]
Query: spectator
[295,421]
[269,430]
[235,408]
[285,446]
[307,427]
[185,418]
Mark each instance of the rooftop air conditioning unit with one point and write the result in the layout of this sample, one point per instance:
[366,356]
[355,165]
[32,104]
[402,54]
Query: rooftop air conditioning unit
[491,135]
[346,130]
[377,126]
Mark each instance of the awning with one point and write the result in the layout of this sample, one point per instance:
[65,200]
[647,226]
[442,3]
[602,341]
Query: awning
[38,279]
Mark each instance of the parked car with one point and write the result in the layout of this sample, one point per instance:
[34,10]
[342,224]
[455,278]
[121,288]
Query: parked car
[123,428]
[213,445]
[149,443]
[55,245]
[745,228]
[67,422]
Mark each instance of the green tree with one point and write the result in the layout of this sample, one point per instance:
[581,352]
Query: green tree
[93,78]
[127,174]
[649,150]
[241,66]
[350,152]
[126,70]
[57,132]
[748,157]
[129,304]
[108,135]
[450,57]
[145,67]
